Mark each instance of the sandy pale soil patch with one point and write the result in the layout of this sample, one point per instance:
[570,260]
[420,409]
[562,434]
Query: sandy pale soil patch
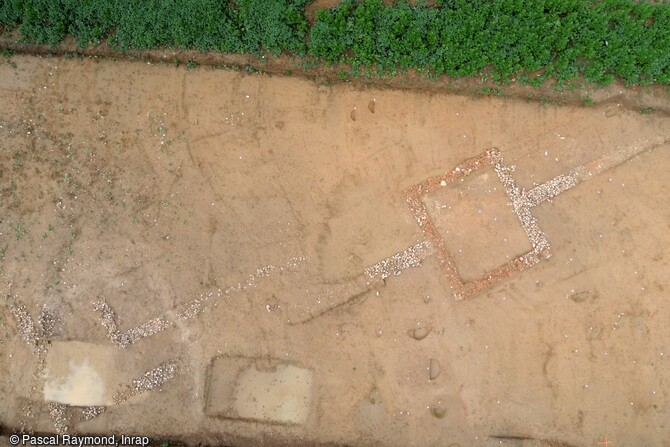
[182,217]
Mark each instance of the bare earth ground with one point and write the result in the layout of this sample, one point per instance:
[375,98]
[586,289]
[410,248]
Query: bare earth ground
[242,211]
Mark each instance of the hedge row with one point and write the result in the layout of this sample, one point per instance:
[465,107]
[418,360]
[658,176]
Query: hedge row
[563,38]
[240,26]
[530,39]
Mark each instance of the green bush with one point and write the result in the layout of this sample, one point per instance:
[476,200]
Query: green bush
[10,12]
[205,25]
[273,25]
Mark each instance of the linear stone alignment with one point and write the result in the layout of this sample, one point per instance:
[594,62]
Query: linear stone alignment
[123,339]
[564,182]
[58,417]
[25,325]
[153,326]
[89,413]
[33,336]
[521,207]
[395,264]
[319,299]
[148,381]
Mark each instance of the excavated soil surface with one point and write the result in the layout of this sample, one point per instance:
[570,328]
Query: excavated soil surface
[232,237]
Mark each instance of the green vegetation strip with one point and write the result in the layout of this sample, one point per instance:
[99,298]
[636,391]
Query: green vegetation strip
[528,40]
[240,26]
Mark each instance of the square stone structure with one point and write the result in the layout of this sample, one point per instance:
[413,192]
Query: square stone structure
[480,200]
[466,287]
[258,389]
[83,374]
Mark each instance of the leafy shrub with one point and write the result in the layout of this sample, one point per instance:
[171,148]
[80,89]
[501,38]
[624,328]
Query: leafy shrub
[206,25]
[10,12]
[273,25]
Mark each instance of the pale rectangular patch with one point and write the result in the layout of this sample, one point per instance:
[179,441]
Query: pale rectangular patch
[82,374]
[263,390]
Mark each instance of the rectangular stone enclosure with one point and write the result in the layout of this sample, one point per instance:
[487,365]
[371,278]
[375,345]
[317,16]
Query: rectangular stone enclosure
[466,286]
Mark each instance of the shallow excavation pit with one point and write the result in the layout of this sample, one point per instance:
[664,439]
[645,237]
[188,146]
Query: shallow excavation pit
[84,374]
[258,389]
